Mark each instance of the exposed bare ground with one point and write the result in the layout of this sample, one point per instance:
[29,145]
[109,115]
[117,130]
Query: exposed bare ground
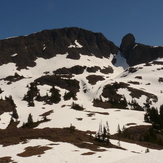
[92,113]
[81,139]
[13,135]
[93,79]
[6,159]
[36,150]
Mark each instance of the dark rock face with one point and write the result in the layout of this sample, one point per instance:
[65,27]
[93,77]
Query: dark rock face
[71,85]
[80,69]
[93,79]
[136,53]
[73,70]
[128,42]
[24,50]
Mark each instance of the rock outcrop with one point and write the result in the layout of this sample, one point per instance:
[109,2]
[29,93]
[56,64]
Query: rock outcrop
[24,50]
[136,53]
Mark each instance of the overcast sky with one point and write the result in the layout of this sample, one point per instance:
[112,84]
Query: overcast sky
[113,18]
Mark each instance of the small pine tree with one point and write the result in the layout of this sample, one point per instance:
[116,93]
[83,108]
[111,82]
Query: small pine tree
[107,133]
[147,150]
[55,96]
[72,128]
[119,143]
[161,111]
[99,133]
[103,134]
[123,129]
[30,119]
[119,132]
[76,107]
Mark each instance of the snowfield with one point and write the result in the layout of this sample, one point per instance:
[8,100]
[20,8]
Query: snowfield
[65,152]
[62,115]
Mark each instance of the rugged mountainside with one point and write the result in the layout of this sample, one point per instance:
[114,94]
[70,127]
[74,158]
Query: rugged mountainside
[24,50]
[142,83]
[73,65]
[64,83]
[136,53]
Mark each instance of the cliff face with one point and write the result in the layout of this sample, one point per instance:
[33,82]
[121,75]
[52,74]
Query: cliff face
[136,53]
[24,50]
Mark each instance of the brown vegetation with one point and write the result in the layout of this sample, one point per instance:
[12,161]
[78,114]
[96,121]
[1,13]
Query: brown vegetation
[134,82]
[93,79]
[137,93]
[6,160]
[13,135]
[36,150]
[141,135]
[138,77]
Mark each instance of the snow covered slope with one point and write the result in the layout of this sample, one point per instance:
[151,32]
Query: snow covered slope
[141,82]
[61,115]
[61,91]
[47,67]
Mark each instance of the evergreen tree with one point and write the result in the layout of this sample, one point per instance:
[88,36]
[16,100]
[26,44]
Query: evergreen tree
[124,102]
[147,150]
[99,133]
[107,133]
[55,96]
[30,119]
[119,132]
[147,104]
[119,143]
[77,107]
[161,111]
[103,133]
[15,114]
[32,92]
[153,117]
[123,129]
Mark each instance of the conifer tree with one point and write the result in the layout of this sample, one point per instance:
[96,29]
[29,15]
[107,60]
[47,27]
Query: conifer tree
[147,150]
[103,134]
[30,119]
[119,132]
[55,96]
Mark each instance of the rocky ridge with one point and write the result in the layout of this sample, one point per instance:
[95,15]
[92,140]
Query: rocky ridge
[24,50]
[136,53]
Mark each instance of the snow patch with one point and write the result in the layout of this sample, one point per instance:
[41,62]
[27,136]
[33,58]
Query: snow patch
[76,45]
[5,120]
[135,46]
[14,55]
[44,47]
[121,61]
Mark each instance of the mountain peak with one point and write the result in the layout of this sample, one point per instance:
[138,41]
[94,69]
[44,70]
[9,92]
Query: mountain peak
[48,43]
[136,53]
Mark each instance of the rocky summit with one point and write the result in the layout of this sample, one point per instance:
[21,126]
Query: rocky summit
[136,53]
[24,50]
